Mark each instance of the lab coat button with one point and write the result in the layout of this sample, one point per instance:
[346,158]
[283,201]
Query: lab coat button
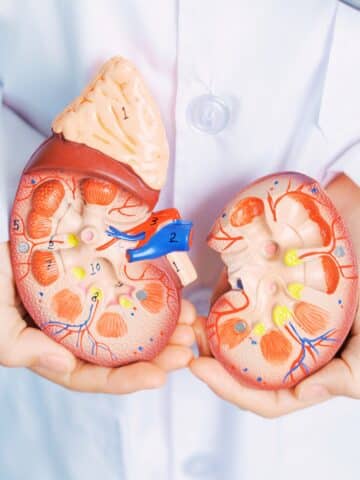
[208,114]
[202,466]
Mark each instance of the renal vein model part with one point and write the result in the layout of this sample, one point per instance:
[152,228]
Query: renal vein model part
[293,282]
[95,267]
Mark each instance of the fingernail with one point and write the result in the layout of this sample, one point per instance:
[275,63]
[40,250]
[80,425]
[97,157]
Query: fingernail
[313,392]
[55,363]
[201,341]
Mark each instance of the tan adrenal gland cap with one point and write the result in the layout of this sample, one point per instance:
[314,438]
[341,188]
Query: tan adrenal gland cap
[116,115]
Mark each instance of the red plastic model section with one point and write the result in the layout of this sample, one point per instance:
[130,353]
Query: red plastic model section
[293,282]
[96,269]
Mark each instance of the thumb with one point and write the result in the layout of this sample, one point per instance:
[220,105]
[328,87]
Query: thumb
[201,337]
[30,347]
[332,380]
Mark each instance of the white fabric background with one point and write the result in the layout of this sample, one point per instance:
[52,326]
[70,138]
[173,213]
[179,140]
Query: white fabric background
[289,72]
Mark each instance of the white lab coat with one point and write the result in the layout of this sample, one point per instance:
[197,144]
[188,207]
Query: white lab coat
[287,75]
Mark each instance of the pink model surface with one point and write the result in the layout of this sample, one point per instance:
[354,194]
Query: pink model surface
[95,267]
[293,282]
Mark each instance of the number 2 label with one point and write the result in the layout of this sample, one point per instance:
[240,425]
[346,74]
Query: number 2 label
[173,237]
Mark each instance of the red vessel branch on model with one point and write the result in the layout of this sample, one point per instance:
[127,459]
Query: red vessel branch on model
[293,282]
[95,267]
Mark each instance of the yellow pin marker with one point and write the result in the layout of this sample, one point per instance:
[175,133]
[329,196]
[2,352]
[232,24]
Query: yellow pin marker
[281,314]
[79,273]
[259,329]
[295,290]
[96,293]
[291,258]
[125,302]
[72,240]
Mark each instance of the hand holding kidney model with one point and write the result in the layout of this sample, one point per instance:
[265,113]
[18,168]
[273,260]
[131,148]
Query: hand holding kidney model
[293,282]
[96,269]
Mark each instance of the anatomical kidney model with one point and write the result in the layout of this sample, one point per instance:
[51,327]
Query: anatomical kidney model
[293,278]
[95,268]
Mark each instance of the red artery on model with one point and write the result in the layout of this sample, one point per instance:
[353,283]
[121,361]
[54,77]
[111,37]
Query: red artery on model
[99,176]
[294,282]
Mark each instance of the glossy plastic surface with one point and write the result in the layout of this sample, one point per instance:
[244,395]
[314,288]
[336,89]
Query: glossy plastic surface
[95,267]
[293,282]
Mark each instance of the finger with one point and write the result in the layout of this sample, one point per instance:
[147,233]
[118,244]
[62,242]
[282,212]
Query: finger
[127,379]
[266,403]
[183,335]
[22,346]
[86,377]
[334,379]
[339,377]
[187,313]
[225,386]
[201,337]
[173,357]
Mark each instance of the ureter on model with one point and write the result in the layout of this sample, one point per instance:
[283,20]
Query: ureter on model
[181,264]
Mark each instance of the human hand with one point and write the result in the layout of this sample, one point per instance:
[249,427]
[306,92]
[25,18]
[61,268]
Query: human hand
[341,377]
[23,345]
